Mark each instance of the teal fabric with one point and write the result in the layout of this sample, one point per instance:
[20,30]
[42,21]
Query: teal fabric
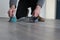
[13,19]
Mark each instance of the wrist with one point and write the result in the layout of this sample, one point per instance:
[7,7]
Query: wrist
[38,6]
[12,7]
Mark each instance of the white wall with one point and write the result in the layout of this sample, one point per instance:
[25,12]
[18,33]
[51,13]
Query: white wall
[4,8]
[50,9]
[43,11]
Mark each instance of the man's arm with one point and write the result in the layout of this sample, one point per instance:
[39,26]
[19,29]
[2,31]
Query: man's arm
[12,9]
[12,2]
[40,2]
[38,7]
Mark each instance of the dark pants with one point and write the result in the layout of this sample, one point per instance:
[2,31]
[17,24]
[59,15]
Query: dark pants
[23,5]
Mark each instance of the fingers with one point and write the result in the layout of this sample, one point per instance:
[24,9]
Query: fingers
[11,12]
[35,13]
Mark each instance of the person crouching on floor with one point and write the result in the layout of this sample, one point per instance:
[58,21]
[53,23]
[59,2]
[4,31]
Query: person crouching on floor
[22,9]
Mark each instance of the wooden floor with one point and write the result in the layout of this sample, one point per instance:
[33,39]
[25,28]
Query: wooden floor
[48,30]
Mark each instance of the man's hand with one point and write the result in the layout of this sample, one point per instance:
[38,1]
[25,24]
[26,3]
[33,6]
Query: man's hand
[37,11]
[11,11]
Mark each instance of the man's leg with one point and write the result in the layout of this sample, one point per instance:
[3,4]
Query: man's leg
[22,10]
